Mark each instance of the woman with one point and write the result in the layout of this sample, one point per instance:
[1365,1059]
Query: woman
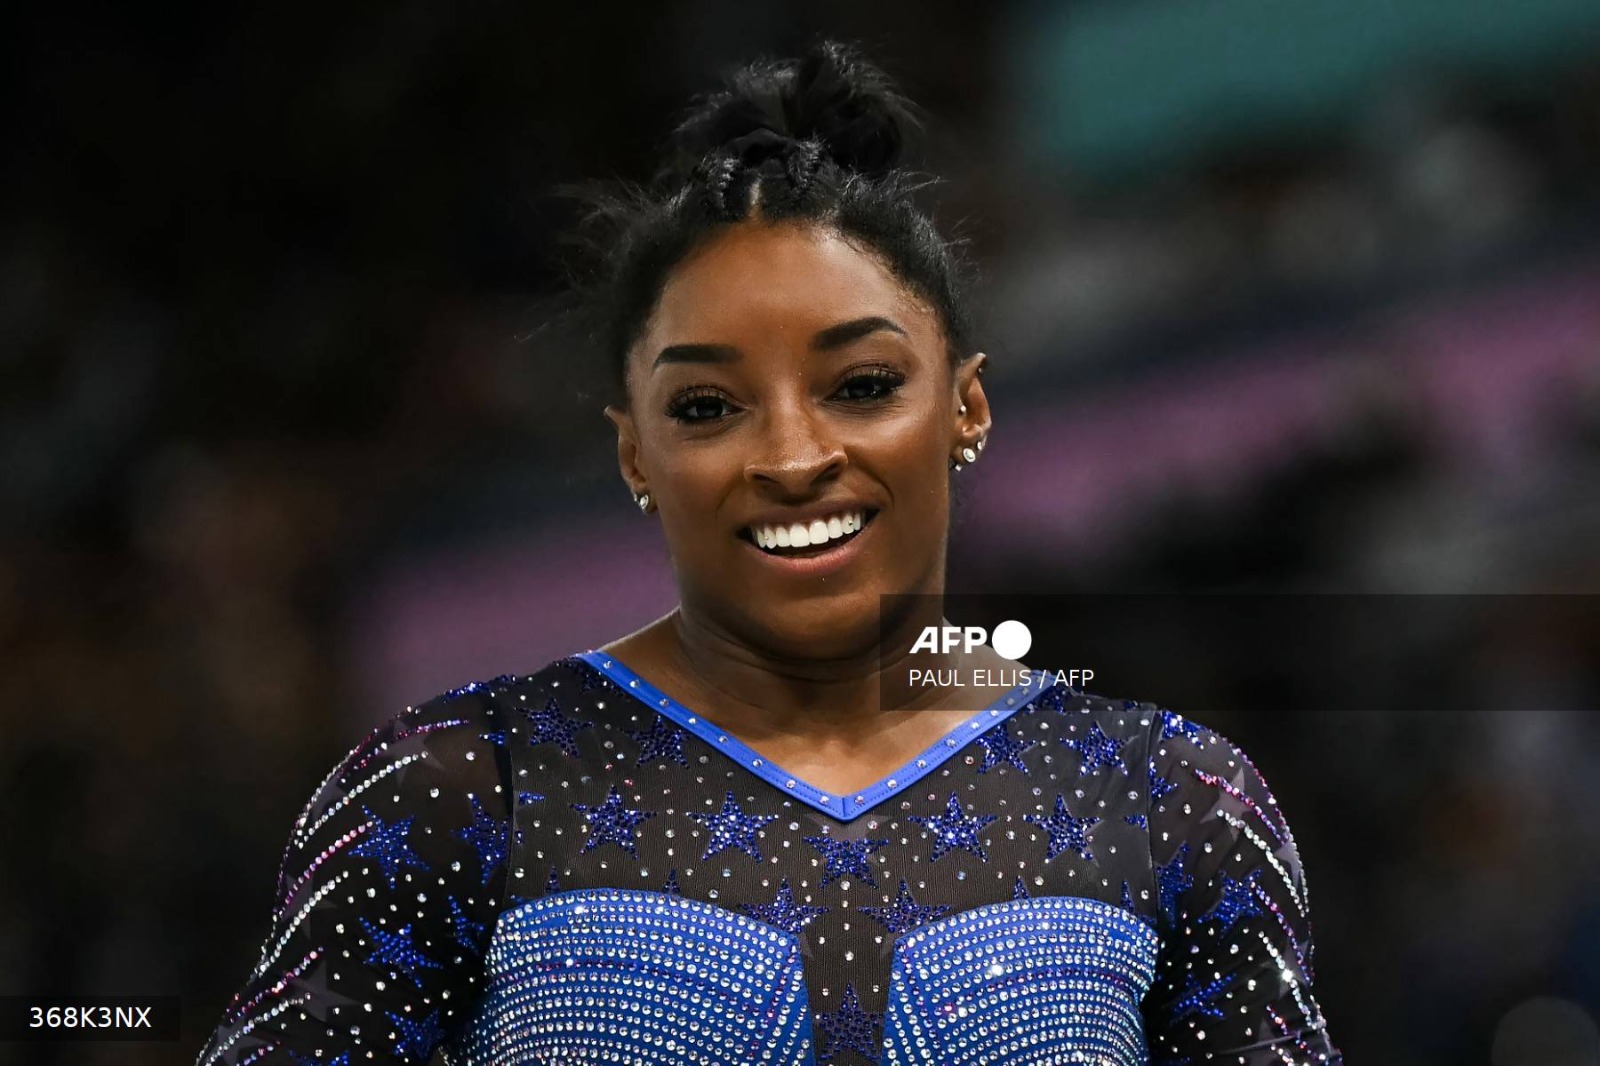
[739,835]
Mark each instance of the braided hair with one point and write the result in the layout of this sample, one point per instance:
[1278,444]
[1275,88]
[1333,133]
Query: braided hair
[816,139]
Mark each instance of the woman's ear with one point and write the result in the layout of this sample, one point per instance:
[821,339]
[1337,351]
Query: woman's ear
[627,449]
[973,417]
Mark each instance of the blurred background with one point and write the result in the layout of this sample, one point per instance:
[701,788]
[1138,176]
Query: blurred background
[1278,296]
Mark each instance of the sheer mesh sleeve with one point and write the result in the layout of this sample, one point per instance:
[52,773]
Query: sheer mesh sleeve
[1233,981]
[387,894]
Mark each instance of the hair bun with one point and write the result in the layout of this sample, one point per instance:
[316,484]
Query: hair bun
[832,95]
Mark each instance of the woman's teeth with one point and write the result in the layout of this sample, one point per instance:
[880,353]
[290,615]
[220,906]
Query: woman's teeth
[809,534]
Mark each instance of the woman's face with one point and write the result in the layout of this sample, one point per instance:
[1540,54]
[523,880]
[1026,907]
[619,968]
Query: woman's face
[792,413]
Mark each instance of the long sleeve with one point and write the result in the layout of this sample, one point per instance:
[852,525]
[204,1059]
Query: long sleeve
[1233,979]
[388,892]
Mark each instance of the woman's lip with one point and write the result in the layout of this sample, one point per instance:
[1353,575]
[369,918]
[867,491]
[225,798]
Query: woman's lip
[823,563]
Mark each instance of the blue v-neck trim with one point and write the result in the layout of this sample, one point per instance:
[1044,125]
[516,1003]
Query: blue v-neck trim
[844,808]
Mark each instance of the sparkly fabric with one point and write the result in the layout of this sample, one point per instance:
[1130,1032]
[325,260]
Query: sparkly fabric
[654,978]
[1053,979]
[569,867]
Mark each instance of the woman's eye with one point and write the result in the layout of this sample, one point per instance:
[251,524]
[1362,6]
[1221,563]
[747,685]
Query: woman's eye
[873,386]
[699,408]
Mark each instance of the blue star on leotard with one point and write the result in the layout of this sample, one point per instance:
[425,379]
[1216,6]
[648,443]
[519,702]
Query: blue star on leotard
[671,887]
[846,858]
[952,829]
[1129,905]
[398,952]
[783,911]
[1159,786]
[663,740]
[612,821]
[1176,725]
[1171,881]
[1066,831]
[999,746]
[1019,890]
[467,931]
[552,726]
[385,843]
[1238,901]
[589,678]
[850,1028]
[1199,998]
[732,828]
[414,1039]
[489,837]
[1053,699]
[904,913]
[1097,750]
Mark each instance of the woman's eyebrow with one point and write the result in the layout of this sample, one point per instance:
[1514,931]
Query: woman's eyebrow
[826,340]
[845,332]
[696,353]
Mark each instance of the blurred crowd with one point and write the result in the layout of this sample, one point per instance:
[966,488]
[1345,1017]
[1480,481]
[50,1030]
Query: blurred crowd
[281,423]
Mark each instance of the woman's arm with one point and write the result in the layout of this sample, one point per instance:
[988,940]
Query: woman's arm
[1233,983]
[389,890]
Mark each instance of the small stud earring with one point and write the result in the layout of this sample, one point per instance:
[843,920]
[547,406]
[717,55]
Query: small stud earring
[961,410]
[969,455]
[643,500]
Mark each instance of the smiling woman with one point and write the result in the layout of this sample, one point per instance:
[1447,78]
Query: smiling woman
[827,396]
[729,837]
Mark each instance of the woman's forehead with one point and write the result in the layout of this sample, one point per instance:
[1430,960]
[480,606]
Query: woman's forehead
[756,277]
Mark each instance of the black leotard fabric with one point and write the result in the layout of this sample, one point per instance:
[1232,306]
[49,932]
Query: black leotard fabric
[570,867]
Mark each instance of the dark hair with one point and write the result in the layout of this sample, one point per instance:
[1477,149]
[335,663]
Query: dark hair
[815,139]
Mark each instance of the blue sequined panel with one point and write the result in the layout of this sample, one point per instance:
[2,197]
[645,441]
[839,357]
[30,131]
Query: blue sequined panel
[641,978]
[1051,979]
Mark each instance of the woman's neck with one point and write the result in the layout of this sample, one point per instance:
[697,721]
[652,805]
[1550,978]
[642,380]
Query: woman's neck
[757,695]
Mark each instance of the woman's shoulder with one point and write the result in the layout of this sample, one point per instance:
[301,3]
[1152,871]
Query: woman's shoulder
[1204,791]
[557,678]
[455,740]
[399,864]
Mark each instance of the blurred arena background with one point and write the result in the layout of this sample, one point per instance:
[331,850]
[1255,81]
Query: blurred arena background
[1279,296]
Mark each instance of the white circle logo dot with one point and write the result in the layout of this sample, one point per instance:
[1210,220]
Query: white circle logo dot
[1011,640]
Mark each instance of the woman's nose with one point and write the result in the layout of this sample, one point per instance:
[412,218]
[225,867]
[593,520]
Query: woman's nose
[796,449]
